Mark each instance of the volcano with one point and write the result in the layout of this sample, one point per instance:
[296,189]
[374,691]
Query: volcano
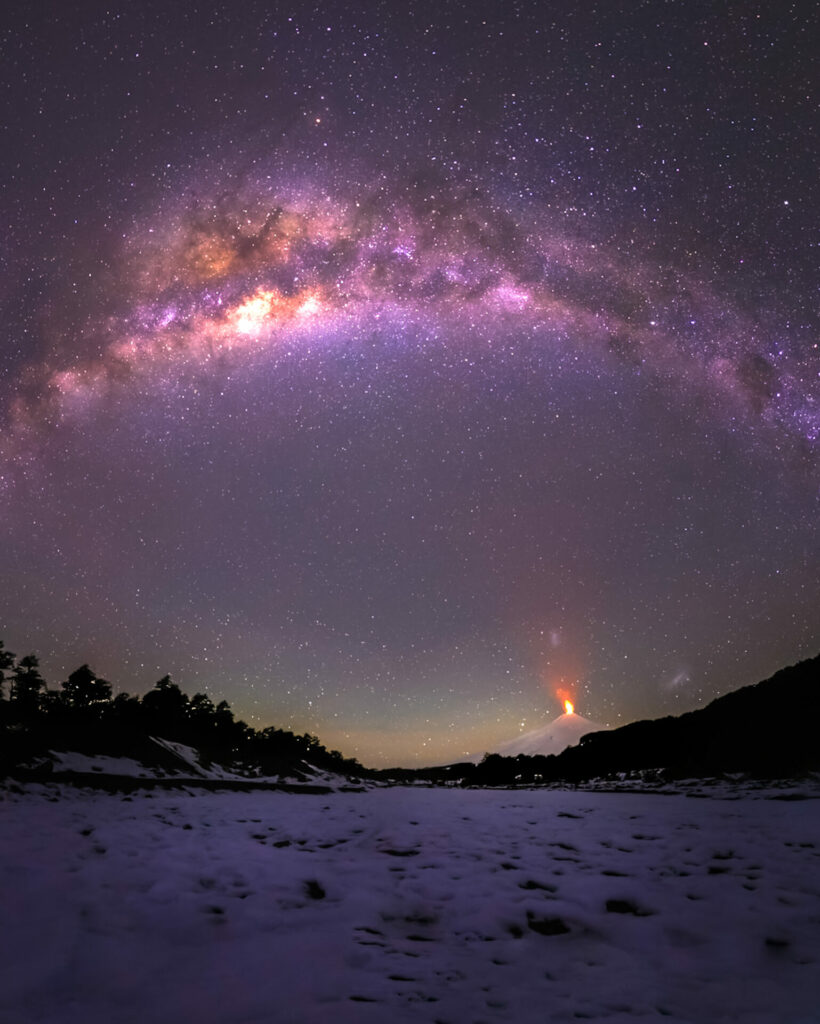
[564,731]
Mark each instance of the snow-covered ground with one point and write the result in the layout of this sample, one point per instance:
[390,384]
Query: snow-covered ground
[72,761]
[184,764]
[409,905]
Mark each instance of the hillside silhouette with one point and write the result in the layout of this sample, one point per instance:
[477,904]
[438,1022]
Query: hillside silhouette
[770,729]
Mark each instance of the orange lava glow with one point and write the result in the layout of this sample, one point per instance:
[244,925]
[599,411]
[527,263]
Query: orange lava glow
[569,707]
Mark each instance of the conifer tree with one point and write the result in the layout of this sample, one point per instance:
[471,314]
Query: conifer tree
[27,683]
[83,688]
[6,664]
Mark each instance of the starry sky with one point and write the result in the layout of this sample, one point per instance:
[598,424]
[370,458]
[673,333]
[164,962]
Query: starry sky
[394,371]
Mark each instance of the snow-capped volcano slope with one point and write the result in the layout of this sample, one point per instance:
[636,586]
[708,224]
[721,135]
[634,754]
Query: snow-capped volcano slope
[564,731]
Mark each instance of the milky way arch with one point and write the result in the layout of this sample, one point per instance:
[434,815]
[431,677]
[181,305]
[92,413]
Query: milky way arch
[238,277]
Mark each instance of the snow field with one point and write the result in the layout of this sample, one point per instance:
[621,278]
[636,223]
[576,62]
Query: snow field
[395,905]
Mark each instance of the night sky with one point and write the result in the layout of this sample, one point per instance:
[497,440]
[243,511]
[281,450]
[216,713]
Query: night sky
[392,371]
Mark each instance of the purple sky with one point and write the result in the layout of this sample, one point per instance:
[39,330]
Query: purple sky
[388,372]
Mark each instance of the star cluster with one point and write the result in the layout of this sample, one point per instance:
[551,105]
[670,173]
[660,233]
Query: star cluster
[391,377]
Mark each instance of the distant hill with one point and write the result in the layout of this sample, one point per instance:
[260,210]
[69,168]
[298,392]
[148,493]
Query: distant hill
[771,728]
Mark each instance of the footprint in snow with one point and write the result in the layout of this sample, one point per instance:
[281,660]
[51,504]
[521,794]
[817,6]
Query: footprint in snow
[530,884]
[617,906]
[314,890]
[546,925]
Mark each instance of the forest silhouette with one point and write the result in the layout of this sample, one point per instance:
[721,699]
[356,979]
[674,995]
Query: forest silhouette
[84,715]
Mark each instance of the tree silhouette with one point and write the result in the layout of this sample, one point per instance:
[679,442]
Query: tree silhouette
[6,663]
[166,710]
[26,685]
[84,688]
[83,715]
[202,712]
